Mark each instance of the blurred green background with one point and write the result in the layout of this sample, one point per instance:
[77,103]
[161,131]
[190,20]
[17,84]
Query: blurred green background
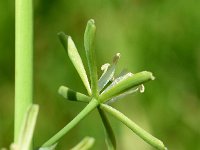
[162,36]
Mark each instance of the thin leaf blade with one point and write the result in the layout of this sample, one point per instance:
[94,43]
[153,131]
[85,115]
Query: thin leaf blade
[110,137]
[126,84]
[153,141]
[75,58]
[90,54]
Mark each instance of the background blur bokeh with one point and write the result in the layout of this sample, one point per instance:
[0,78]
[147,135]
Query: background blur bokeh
[162,36]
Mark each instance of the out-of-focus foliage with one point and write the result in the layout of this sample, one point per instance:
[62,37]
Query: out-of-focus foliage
[161,36]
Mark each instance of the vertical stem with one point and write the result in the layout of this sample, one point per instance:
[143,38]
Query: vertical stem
[23,61]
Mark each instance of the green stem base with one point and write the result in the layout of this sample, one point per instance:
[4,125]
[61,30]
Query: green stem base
[93,104]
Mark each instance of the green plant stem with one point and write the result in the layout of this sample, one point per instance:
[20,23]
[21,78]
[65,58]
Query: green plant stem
[23,61]
[93,104]
[134,127]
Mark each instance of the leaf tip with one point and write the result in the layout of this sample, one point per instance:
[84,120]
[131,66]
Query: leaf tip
[70,42]
[152,77]
[91,24]
[62,90]
[63,39]
[91,21]
[150,74]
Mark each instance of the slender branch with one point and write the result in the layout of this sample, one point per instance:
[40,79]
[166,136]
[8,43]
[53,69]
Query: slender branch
[134,127]
[23,61]
[93,104]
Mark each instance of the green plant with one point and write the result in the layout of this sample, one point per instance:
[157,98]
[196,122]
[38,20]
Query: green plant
[100,92]
[103,91]
[25,111]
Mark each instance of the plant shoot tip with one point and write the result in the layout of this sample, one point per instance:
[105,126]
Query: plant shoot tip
[92,21]
[152,77]
[60,89]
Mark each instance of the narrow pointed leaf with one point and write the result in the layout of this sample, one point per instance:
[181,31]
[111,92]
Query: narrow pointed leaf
[72,95]
[85,144]
[134,127]
[74,56]
[110,137]
[90,54]
[126,84]
[63,39]
[26,132]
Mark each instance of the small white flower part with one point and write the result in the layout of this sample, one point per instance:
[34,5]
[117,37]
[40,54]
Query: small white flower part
[104,67]
[141,88]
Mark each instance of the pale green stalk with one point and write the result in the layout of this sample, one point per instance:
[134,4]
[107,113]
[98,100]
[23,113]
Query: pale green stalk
[92,105]
[134,127]
[23,61]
